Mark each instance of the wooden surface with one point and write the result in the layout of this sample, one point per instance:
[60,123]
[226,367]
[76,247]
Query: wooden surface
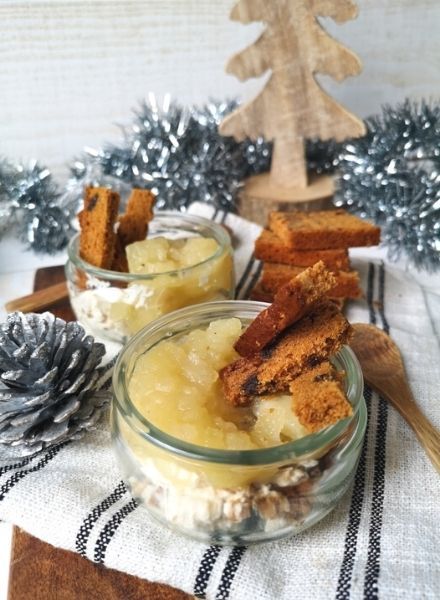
[39,300]
[259,196]
[41,572]
[70,71]
[291,106]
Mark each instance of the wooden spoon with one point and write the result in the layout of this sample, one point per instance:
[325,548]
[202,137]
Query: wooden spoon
[383,370]
[39,300]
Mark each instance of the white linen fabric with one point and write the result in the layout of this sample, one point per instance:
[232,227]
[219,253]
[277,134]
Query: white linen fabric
[381,541]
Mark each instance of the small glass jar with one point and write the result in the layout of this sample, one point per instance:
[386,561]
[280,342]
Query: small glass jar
[232,497]
[116,305]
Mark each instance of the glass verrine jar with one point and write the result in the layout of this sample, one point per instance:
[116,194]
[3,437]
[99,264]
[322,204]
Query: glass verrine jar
[116,305]
[231,496]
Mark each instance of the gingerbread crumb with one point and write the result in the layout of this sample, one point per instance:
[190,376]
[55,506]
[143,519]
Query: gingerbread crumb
[318,397]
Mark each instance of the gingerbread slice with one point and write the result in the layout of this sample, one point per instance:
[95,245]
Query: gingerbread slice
[274,275]
[269,247]
[318,397]
[305,344]
[133,225]
[292,301]
[261,295]
[120,262]
[321,230]
[97,220]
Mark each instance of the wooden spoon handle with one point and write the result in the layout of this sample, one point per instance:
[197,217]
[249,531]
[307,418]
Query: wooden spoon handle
[39,300]
[428,435]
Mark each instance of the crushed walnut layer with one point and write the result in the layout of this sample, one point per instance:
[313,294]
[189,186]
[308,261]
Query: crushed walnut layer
[285,500]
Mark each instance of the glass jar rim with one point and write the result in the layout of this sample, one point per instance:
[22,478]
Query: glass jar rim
[219,233]
[303,447]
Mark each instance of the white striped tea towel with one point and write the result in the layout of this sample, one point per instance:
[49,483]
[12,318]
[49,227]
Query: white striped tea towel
[382,541]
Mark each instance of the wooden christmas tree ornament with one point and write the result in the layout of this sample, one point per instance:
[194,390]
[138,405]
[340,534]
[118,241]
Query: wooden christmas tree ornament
[292,107]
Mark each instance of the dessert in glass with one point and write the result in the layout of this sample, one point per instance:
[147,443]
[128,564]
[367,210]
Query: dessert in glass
[184,260]
[212,447]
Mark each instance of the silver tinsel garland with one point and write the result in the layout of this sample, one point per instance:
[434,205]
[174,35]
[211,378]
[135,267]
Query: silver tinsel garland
[178,153]
[323,157]
[392,176]
[31,204]
[175,151]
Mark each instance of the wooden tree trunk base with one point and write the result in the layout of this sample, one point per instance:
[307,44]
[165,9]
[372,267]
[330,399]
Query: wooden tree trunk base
[259,196]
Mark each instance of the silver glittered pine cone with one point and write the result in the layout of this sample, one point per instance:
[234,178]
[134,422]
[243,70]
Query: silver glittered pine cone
[49,380]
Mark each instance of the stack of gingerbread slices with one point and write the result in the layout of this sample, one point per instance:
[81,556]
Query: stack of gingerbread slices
[287,349]
[296,240]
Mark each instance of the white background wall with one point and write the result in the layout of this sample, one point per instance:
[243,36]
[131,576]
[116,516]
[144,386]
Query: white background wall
[70,70]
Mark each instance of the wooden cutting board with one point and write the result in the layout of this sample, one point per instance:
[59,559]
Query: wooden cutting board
[39,571]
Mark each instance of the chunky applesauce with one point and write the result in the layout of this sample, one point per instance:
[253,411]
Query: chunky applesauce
[159,255]
[170,274]
[176,386]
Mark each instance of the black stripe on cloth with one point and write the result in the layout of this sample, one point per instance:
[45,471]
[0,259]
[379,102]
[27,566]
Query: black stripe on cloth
[354,518]
[229,571]
[18,475]
[110,529]
[385,324]
[89,522]
[372,569]
[358,494]
[111,363]
[18,465]
[370,293]
[105,373]
[253,280]
[106,385]
[245,275]
[220,216]
[207,563]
